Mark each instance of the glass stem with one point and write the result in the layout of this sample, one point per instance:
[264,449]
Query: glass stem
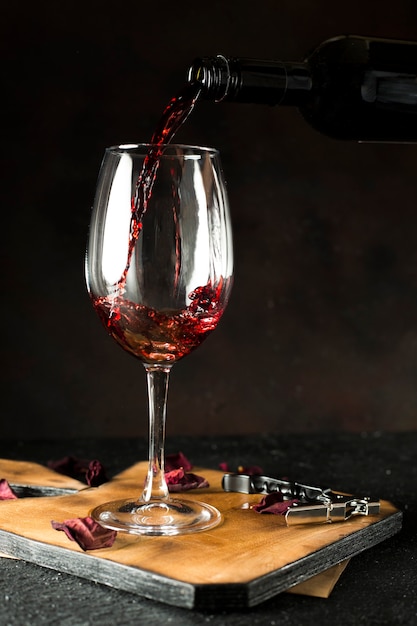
[157,378]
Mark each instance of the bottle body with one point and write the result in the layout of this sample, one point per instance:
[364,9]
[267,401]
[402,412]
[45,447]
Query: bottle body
[356,88]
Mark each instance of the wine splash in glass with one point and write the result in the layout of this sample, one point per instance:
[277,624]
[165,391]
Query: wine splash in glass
[162,208]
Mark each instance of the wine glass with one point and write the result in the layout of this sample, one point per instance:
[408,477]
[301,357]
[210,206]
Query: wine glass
[159,270]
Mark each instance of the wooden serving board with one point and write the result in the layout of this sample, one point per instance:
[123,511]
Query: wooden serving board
[246,560]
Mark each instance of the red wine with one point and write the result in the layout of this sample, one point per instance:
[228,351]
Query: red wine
[175,113]
[358,88]
[173,116]
[162,336]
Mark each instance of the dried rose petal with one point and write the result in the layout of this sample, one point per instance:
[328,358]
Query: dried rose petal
[274,503]
[95,474]
[68,466]
[176,461]
[174,476]
[91,472]
[178,480]
[6,492]
[86,532]
[250,470]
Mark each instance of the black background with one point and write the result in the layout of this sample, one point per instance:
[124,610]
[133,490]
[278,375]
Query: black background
[321,330]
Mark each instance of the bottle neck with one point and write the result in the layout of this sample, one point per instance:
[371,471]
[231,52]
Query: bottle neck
[252,81]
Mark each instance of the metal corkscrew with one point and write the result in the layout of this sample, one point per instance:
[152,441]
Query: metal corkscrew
[314,504]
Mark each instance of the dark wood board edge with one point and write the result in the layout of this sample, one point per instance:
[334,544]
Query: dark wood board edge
[212,597]
[238,596]
[324,558]
[84,565]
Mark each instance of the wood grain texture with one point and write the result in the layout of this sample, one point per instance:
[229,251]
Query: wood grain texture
[244,561]
[36,475]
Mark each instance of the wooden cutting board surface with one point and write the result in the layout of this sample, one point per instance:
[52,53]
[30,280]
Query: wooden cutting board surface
[247,559]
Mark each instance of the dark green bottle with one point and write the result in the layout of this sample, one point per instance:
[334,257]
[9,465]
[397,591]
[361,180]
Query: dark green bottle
[350,87]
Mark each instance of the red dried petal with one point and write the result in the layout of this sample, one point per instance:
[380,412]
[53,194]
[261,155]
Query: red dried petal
[178,480]
[273,503]
[174,476]
[90,472]
[6,492]
[176,461]
[86,532]
[95,474]
[68,465]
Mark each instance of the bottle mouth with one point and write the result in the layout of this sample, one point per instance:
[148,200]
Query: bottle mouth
[212,74]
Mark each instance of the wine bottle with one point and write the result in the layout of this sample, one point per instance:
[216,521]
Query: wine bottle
[349,87]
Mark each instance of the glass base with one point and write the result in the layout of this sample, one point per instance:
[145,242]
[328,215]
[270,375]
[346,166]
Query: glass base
[157,517]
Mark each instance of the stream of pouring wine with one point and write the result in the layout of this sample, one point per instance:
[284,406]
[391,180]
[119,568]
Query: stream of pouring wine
[173,117]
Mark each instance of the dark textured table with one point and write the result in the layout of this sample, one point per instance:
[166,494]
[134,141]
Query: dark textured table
[378,587]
